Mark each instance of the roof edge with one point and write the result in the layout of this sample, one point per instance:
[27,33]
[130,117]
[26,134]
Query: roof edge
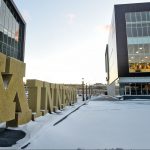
[17,10]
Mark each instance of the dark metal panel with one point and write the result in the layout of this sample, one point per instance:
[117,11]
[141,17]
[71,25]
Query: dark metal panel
[16,10]
[122,52]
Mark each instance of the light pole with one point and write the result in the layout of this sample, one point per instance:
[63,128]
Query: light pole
[86,92]
[83,89]
[89,92]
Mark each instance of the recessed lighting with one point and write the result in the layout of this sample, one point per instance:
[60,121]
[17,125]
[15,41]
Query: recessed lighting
[129,60]
[146,57]
[132,57]
[140,48]
[137,52]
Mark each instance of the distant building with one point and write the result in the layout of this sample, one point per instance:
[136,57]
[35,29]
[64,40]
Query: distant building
[12,30]
[98,88]
[93,89]
[127,54]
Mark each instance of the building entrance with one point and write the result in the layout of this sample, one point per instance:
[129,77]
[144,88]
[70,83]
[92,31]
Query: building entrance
[137,89]
[127,90]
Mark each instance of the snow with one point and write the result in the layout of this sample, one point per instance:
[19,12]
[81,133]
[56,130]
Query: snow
[100,125]
[97,125]
[33,129]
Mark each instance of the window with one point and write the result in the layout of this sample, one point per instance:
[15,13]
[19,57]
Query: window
[129,32]
[138,37]
[138,16]
[11,32]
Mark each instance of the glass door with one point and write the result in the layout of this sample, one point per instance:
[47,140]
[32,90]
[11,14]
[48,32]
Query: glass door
[127,90]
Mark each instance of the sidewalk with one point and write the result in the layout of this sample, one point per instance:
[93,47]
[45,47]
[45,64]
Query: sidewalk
[33,129]
[100,125]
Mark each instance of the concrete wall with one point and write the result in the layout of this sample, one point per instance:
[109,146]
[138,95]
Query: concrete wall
[111,89]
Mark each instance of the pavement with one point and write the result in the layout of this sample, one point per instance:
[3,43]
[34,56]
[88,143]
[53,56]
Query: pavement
[103,123]
[22,136]
[32,130]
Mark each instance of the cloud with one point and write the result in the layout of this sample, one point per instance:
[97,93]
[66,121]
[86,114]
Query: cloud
[71,17]
[26,15]
[103,28]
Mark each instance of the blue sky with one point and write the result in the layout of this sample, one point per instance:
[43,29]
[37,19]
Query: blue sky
[66,39]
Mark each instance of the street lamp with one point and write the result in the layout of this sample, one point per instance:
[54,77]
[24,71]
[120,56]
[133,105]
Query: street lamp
[86,92]
[89,92]
[83,89]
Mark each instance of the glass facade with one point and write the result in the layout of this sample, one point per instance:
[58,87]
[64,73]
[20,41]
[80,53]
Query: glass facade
[134,88]
[11,31]
[138,40]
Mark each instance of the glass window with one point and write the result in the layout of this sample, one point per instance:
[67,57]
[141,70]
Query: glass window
[6,22]
[134,32]
[130,49]
[148,30]
[8,50]
[10,23]
[146,46]
[5,36]
[133,17]
[9,38]
[144,24]
[128,18]
[129,25]
[140,33]
[134,25]
[17,32]
[138,16]
[0,46]
[145,33]
[13,40]
[139,46]
[129,32]
[11,31]
[148,16]
[139,24]
[1,33]
[143,16]
[1,16]
[4,48]
[14,25]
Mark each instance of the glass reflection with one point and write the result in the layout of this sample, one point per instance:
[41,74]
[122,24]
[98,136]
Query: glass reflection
[138,38]
[10,32]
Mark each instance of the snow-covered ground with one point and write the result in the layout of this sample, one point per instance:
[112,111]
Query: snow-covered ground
[97,125]
[35,128]
[100,125]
